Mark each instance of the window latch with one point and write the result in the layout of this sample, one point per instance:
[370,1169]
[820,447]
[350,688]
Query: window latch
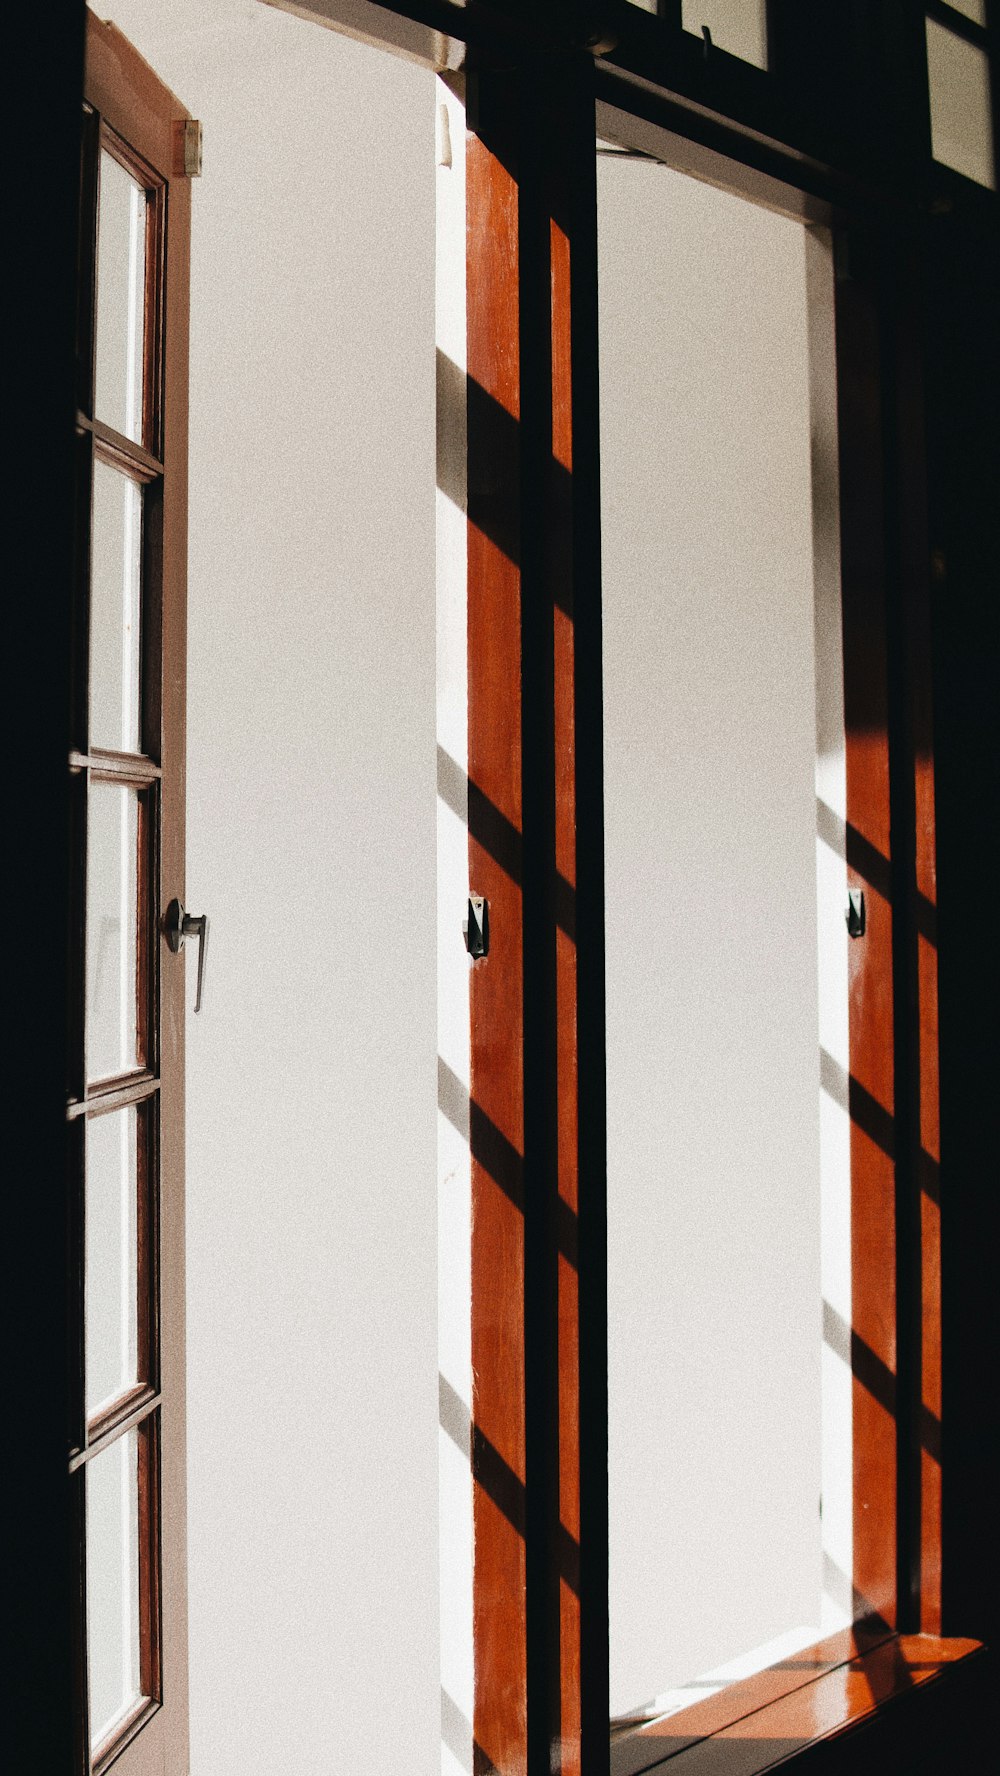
[476,928]
[178,926]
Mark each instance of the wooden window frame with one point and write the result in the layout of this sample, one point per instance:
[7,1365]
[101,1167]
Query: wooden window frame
[129,114]
[785,120]
[537,1017]
[954,189]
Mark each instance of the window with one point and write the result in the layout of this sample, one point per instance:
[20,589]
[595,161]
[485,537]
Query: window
[126,1056]
[959,76]
[45,1244]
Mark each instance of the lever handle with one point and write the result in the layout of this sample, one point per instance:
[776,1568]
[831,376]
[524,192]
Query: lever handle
[178,926]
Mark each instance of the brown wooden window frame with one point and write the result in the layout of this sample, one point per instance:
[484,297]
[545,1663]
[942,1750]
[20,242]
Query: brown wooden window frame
[538,1360]
[130,116]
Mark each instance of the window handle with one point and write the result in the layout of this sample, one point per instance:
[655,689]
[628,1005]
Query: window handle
[178,926]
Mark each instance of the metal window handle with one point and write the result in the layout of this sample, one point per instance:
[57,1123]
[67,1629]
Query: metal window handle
[178,926]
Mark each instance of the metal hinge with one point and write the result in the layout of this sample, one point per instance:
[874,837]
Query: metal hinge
[189,135]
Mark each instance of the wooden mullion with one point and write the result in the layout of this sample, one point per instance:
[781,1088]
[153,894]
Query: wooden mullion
[128,1412]
[113,1095]
[538,1236]
[80,658]
[125,1731]
[151,623]
[496,986]
[153,312]
[915,960]
[543,565]
[573,1575]
[583,729]
[81,1656]
[130,768]
[121,452]
[869,865]
[76,1226]
[148,1236]
[150,1648]
[146,927]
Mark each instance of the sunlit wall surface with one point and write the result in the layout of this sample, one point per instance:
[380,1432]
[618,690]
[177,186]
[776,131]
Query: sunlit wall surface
[716,1197]
[312,1082]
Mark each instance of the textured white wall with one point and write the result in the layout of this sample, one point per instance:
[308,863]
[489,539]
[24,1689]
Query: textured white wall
[713,1068]
[312,1317]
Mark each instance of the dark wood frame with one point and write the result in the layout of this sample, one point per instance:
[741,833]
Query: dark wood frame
[538,1180]
[843,111]
[537,1059]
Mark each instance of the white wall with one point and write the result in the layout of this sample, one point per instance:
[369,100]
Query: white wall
[312,1311]
[313,1338]
[713,1066]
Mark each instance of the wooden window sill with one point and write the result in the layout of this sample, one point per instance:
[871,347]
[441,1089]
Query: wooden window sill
[840,1684]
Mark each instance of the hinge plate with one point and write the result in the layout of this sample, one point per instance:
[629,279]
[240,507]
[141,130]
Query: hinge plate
[189,137]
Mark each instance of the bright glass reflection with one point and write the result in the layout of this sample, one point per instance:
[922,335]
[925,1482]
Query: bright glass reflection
[738,26]
[121,294]
[111,1211]
[961,119]
[728,1188]
[113,1584]
[973,9]
[112,930]
[114,610]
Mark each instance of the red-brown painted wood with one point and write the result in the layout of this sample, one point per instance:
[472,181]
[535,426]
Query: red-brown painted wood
[561,542]
[928,1179]
[525,786]
[497,1080]
[823,1692]
[872,1085]
[140,122]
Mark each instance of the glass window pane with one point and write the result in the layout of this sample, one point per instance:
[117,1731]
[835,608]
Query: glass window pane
[112,1234]
[112,1037]
[121,279]
[961,126]
[973,9]
[114,610]
[727,1198]
[113,1584]
[738,26]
